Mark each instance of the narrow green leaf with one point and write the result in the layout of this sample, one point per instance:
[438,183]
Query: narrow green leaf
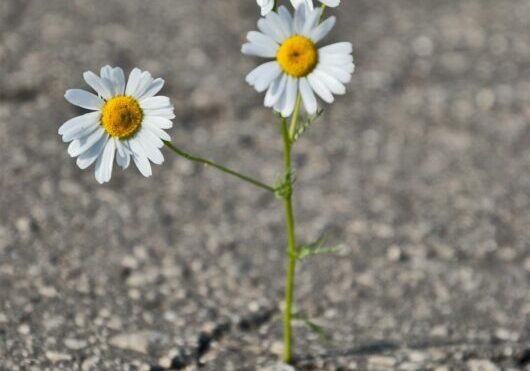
[316,329]
[317,248]
[305,124]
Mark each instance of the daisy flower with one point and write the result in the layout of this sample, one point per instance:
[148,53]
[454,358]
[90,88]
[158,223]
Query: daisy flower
[297,65]
[127,121]
[267,5]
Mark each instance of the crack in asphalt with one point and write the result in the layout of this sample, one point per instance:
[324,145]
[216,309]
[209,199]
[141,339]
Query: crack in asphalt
[206,338]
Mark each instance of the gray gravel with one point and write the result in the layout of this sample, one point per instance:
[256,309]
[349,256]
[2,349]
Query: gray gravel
[422,171]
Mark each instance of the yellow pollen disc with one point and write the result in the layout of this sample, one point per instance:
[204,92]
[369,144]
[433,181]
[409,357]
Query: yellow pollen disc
[297,56]
[121,116]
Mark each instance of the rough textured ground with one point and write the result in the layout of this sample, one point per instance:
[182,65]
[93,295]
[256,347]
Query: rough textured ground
[422,171]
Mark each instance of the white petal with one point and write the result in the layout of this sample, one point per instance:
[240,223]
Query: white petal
[263,75]
[145,81]
[310,21]
[287,19]
[291,92]
[143,165]
[101,86]
[337,48]
[258,50]
[299,18]
[136,146]
[83,99]
[349,67]
[148,138]
[79,146]
[339,73]
[105,162]
[319,88]
[158,102]
[87,158]
[106,72]
[259,38]
[80,132]
[134,80]
[265,26]
[123,154]
[280,103]
[266,6]
[152,152]
[123,160]
[156,131]
[275,91]
[331,3]
[153,89]
[334,59]
[73,127]
[322,30]
[297,3]
[159,122]
[166,113]
[267,77]
[276,21]
[308,97]
[331,83]
[118,79]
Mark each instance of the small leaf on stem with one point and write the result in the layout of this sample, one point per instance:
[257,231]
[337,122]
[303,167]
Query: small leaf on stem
[305,124]
[317,248]
[316,329]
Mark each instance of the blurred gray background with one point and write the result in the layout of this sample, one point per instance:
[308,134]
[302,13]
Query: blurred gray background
[422,170]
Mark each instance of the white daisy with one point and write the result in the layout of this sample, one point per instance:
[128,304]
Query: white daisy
[127,121]
[267,5]
[298,65]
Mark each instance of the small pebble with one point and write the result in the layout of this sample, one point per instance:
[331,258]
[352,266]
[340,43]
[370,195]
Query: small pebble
[75,344]
[24,329]
[55,357]
[481,365]
[382,362]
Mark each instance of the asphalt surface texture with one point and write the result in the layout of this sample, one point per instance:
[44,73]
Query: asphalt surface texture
[422,172]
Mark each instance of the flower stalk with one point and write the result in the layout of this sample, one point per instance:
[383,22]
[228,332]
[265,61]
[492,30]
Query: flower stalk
[217,166]
[291,242]
[292,253]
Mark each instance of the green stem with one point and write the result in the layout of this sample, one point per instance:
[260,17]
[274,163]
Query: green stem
[294,117]
[288,135]
[203,161]
[291,247]
[322,11]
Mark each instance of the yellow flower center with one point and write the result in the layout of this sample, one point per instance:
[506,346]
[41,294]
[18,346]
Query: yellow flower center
[297,56]
[121,116]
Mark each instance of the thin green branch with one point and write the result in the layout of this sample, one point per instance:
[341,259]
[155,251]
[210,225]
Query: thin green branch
[322,11]
[294,117]
[206,162]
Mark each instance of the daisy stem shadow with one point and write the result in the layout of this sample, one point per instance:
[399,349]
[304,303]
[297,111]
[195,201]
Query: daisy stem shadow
[222,168]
